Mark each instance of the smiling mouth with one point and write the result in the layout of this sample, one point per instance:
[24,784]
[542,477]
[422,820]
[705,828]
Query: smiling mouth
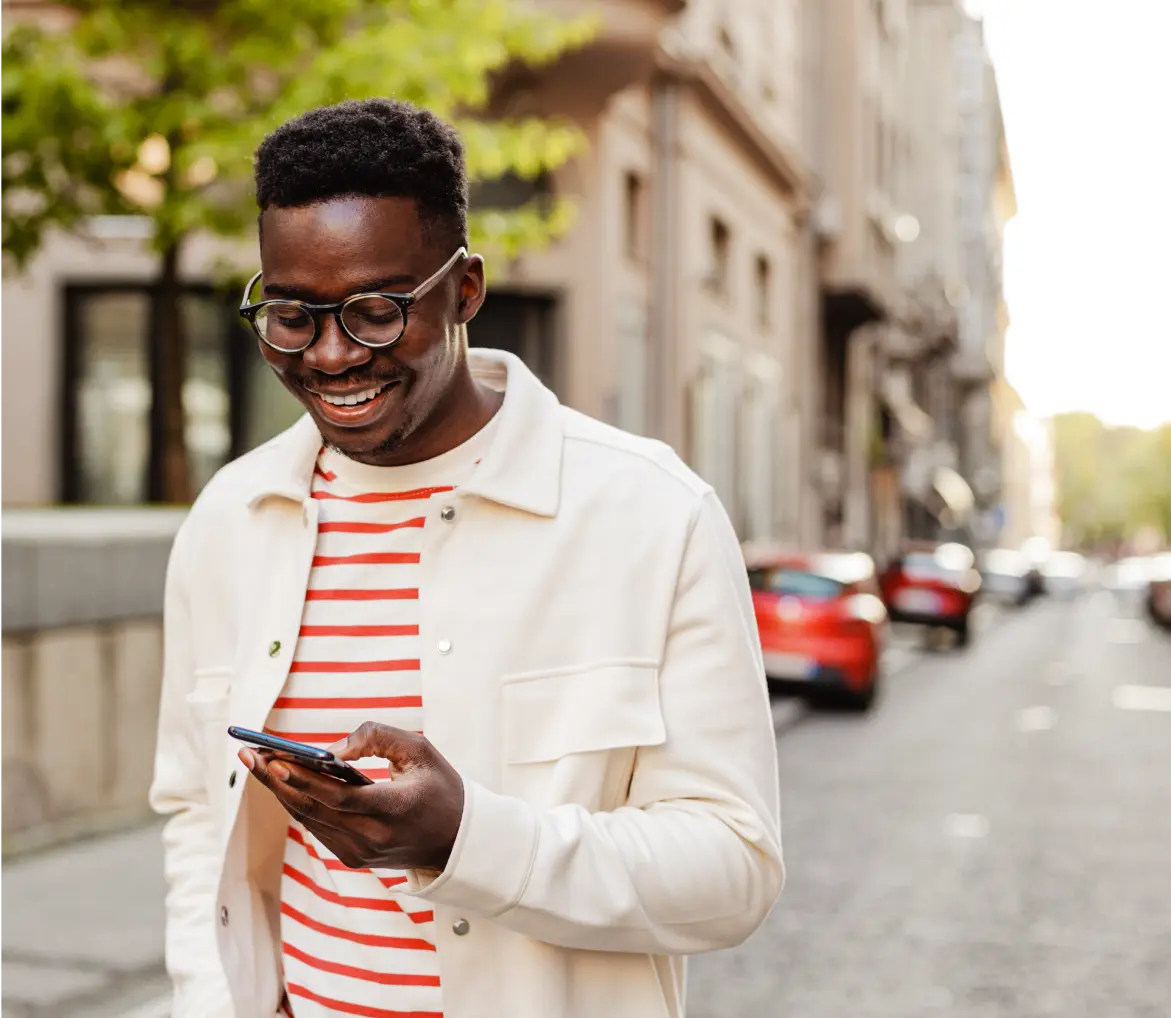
[354,398]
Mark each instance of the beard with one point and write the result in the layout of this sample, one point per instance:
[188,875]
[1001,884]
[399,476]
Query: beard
[391,443]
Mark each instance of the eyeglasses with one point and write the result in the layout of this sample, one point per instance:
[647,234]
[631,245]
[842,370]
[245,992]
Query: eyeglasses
[375,320]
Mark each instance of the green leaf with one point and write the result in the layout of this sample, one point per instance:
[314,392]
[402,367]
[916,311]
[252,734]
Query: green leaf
[214,78]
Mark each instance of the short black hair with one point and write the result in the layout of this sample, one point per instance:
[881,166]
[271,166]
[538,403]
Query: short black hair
[379,148]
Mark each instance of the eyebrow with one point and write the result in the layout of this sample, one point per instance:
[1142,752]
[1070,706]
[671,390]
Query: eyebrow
[390,284]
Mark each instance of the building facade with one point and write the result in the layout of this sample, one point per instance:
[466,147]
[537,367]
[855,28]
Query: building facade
[1027,478]
[987,203]
[856,49]
[672,308]
[786,264]
[913,189]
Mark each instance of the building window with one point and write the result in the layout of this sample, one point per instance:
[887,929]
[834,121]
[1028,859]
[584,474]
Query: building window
[715,424]
[763,292]
[719,255]
[111,396]
[524,324]
[110,451]
[511,191]
[633,213]
[759,471]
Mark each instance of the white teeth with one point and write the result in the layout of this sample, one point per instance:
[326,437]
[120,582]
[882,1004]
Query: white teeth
[353,399]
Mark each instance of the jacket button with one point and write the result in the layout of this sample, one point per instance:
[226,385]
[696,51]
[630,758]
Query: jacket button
[224,915]
[460,927]
[232,780]
[444,646]
[274,648]
[447,513]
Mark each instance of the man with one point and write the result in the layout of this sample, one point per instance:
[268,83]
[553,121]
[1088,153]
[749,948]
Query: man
[533,630]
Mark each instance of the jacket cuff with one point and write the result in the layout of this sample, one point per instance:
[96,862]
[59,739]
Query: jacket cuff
[492,857]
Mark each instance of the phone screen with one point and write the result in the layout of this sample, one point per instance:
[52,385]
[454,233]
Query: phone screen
[319,760]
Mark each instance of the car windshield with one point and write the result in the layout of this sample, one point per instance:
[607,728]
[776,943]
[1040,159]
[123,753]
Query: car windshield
[926,566]
[794,583]
[1005,562]
[1065,564]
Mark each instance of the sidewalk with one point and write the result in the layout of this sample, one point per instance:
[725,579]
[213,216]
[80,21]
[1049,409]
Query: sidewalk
[83,930]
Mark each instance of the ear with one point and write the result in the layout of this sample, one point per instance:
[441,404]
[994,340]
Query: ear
[472,290]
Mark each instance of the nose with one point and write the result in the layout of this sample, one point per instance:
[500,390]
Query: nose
[334,353]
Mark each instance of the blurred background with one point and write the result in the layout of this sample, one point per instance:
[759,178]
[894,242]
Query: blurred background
[887,273]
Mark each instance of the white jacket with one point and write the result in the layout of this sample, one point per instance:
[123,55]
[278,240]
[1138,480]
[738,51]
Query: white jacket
[603,699]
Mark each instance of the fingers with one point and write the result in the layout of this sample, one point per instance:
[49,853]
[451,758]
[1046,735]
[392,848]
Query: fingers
[294,787]
[399,748]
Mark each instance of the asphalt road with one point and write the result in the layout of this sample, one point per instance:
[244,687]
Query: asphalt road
[993,841]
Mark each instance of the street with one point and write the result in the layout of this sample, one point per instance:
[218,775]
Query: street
[993,840]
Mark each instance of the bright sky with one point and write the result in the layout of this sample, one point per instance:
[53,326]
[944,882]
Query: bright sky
[1085,86]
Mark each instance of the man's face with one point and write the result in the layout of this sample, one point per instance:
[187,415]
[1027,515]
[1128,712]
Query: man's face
[326,252]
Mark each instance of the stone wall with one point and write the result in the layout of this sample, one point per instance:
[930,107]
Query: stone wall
[82,668]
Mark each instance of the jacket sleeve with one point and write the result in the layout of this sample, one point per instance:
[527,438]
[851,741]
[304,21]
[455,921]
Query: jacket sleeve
[692,862]
[191,845]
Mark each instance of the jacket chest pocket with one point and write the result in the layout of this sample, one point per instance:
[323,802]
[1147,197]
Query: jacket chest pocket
[571,735]
[208,704]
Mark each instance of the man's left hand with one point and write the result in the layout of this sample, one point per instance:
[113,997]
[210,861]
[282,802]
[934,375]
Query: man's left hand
[409,822]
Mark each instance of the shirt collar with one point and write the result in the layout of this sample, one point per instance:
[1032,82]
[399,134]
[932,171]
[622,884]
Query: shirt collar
[521,469]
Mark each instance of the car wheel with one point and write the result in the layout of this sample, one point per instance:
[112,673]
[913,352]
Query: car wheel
[858,701]
[963,634]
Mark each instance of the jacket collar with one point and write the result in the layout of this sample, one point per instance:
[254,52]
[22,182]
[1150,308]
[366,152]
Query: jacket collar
[522,468]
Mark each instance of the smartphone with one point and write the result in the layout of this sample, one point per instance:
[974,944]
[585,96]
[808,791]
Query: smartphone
[320,760]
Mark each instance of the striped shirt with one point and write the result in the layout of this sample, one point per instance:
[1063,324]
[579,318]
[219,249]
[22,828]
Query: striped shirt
[351,944]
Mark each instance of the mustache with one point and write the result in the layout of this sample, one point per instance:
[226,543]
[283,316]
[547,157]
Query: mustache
[359,376]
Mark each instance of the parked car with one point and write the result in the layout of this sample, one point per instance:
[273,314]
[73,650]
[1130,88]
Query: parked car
[1064,574]
[1159,591]
[822,623]
[1129,580]
[1004,576]
[933,585]
[1037,551]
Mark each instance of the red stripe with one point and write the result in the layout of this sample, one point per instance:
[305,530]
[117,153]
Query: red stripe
[365,939]
[407,594]
[324,738]
[359,630]
[376,773]
[399,665]
[313,738]
[343,527]
[362,1010]
[327,475]
[348,901]
[371,497]
[370,558]
[336,865]
[334,968]
[341,702]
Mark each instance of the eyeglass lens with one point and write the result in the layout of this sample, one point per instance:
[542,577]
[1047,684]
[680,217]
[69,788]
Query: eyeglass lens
[374,320]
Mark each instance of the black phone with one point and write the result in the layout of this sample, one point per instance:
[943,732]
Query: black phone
[320,760]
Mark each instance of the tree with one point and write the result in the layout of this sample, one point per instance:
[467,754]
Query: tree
[1111,482]
[155,107]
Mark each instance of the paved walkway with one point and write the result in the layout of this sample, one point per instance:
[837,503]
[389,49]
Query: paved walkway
[83,930]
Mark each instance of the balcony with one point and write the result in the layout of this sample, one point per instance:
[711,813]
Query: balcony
[577,84]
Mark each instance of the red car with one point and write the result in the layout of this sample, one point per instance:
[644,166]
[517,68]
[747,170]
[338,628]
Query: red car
[821,623]
[933,585]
